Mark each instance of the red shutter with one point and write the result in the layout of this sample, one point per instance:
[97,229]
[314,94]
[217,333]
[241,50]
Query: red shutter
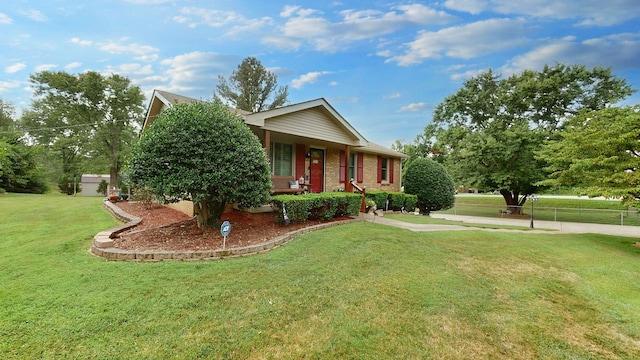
[360,160]
[390,169]
[300,156]
[343,165]
[379,169]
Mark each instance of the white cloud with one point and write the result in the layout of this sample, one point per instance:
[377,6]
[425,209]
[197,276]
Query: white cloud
[289,11]
[395,95]
[114,47]
[5,20]
[585,12]
[333,83]
[78,41]
[622,53]
[35,15]
[73,65]
[196,71]
[131,69]
[413,107]
[471,6]
[44,67]
[15,68]
[8,85]
[308,78]
[232,22]
[464,42]
[307,26]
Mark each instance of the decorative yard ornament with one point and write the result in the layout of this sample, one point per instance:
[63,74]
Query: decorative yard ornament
[225,229]
[284,214]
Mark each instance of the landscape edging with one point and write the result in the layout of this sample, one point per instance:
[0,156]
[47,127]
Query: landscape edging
[103,243]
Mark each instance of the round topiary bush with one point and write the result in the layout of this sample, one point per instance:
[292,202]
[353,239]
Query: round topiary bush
[429,181]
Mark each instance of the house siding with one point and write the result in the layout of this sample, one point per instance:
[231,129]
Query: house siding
[312,123]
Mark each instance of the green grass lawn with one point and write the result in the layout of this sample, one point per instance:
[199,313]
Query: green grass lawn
[357,291]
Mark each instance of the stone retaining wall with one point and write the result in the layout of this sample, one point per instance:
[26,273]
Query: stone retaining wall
[103,243]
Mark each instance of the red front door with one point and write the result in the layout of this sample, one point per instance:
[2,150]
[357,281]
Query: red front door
[316,171]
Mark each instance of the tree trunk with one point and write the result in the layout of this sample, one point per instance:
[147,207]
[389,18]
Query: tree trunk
[201,211]
[514,205]
[217,208]
[208,213]
[113,178]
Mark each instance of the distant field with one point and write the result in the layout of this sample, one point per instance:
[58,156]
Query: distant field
[356,291]
[553,209]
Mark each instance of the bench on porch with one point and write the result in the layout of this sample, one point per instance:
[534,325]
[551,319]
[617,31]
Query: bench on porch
[281,185]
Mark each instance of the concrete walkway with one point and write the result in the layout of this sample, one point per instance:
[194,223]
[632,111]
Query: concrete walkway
[540,227]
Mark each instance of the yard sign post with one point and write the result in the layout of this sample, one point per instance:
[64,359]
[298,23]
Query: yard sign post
[225,229]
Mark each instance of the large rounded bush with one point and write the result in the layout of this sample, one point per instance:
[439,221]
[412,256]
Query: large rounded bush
[429,181]
[205,153]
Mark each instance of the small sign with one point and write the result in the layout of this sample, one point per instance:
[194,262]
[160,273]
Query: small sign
[225,228]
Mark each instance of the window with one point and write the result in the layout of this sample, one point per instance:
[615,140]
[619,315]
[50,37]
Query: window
[281,159]
[353,165]
[384,169]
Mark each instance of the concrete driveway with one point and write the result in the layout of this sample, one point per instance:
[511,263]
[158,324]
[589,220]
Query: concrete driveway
[540,226]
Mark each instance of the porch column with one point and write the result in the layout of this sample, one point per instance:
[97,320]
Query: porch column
[347,155]
[267,142]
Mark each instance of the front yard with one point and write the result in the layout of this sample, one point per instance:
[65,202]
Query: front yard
[354,291]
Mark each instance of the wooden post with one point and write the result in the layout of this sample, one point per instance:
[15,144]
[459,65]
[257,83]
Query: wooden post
[267,143]
[347,184]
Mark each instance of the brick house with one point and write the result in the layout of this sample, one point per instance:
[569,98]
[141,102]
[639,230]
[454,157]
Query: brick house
[312,141]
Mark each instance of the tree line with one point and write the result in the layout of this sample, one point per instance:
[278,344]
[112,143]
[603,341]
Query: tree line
[516,134]
[88,122]
[554,128]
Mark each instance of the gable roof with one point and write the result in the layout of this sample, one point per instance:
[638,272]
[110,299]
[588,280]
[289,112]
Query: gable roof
[315,119]
[322,116]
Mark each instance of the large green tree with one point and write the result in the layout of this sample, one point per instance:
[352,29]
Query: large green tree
[201,152]
[19,170]
[492,127]
[598,153]
[85,116]
[252,88]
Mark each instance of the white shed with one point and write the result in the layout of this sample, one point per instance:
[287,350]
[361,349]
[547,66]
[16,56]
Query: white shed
[90,182]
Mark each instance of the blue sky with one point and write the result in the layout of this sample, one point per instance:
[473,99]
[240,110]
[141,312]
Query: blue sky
[383,65]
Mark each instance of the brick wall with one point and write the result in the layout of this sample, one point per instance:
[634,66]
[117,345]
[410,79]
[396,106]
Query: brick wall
[370,172]
[183,206]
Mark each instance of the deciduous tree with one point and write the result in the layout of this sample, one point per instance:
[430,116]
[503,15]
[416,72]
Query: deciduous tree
[201,152]
[491,128]
[252,87]
[598,153]
[19,170]
[86,115]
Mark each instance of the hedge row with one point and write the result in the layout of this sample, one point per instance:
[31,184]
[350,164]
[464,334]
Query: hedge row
[323,206]
[397,200]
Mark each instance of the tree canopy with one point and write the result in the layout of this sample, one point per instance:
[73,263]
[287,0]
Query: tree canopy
[252,87]
[85,116]
[201,152]
[490,129]
[598,153]
[19,169]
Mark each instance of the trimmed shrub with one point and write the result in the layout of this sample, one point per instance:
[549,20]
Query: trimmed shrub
[324,206]
[397,200]
[429,181]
